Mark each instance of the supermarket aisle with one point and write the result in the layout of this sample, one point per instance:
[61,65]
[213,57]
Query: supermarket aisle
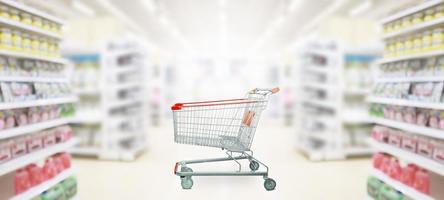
[150,177]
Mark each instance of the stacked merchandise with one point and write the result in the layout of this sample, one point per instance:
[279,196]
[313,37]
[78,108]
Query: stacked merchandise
[334,123]
[35,104]
[408,107]
[110,111]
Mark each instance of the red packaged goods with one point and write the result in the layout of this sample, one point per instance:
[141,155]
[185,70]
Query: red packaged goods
[58,163]
[36,175]
[395,138]
[438,152]
[425,147]
[50,170]
[422,181]
[5,151]
[385,164]
[21,181]
[409,142]
[394,170]
[48,138]
[63,134]
[408,174]
[34,142]
[66,158]
[18,147]
[380,134]
[377,160]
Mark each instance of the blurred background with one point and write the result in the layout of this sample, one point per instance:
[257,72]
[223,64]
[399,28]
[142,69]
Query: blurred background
[342,66]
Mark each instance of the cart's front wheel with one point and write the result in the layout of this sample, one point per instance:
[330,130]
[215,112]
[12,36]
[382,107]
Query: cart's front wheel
[254,165]
[187,183]
[269,184]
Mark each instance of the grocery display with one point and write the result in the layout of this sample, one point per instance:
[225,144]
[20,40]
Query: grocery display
[109,122]
[407,107]
[36,104]
[334,121]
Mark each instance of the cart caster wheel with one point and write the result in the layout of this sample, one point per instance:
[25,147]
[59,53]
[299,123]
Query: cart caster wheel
[269,184]
[185,169]
[187,183]
[254,165]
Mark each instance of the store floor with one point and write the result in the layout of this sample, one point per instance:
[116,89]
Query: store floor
[151,176]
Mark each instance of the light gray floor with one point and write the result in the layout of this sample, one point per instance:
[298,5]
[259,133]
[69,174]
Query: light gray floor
[151,176]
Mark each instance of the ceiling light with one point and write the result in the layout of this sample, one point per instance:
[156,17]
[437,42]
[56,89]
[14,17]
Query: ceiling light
[149,5]
[361,8]
[83,8]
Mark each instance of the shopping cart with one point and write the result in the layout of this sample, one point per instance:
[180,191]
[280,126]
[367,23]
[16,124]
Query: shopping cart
[227,124]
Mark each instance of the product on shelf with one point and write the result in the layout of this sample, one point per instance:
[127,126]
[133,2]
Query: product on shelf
[373,186]
[33,175]
[410,175]
[18,147]
[5,151]
[409,142]
[438,152]
[422,181]
[34,142]
[425,147]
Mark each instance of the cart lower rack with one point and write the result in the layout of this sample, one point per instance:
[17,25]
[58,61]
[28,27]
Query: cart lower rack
[227,124]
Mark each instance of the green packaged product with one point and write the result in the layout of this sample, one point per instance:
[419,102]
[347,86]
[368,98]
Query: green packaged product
[55,193]
[373,186]
[70,186]
[387,193]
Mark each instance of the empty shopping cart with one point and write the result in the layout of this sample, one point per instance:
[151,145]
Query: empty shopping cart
[227,124]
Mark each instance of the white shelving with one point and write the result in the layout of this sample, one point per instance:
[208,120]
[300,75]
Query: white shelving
[40,102]
[29,28]
[37,190]
[411,57]
[404,189]
[31,10]
[415,28]
[38,155]
[35,156]
[410,128]
[32,79]
[32,57]
[23,130]
[419,160]
[403,102]
[326,92]
[105,111]
[412,10]
[410,79]
[432,133]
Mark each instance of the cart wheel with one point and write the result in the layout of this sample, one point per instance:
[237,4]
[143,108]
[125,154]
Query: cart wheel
[254,165]
[186,183]
[185,169]
[269,184]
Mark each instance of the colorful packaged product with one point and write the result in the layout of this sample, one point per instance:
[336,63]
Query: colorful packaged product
[425,147]
[409,142]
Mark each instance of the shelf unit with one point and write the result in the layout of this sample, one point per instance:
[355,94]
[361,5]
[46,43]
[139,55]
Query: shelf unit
[8,168]
[435,168]
[106,120]
[325,131]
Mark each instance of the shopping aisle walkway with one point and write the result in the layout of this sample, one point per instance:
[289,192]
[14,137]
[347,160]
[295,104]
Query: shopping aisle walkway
[151,176]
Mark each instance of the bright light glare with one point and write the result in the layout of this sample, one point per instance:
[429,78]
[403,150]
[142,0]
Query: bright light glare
[81,7]
[361,8]
[149,5]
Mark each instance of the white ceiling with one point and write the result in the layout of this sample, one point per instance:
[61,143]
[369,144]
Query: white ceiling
[212,28]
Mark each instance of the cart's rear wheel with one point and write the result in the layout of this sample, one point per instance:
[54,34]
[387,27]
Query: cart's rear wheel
[254,165]
[187,183]
[269,184]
